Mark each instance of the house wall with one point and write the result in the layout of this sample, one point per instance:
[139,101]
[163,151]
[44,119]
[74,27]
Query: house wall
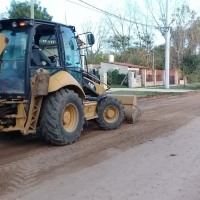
[106,66]
[103,78]
[143,77]
[134,80]
[138,81]
[151,83]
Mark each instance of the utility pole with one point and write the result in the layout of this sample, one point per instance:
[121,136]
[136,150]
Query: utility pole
[153,61]
[65,18]
[32,9]
[167,44]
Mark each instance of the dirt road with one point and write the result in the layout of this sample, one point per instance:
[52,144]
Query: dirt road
[119,164]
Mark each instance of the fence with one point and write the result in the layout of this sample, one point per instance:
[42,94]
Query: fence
[157,77]
[147,78]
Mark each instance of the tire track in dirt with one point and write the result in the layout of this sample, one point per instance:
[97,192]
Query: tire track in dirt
[42,161]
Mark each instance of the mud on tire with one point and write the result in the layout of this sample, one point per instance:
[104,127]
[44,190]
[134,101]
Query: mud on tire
[110,112]
[62,117]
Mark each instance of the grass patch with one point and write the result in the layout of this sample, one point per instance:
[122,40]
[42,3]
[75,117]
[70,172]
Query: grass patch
[195,86]
[118,86]
[144,93]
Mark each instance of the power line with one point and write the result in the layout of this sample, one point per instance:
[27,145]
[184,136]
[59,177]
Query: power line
[115,16]
[124,19]
[84,6]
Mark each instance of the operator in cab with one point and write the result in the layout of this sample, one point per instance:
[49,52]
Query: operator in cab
[38,56]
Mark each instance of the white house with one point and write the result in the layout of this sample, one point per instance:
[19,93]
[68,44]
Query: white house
[132,71]
[123,68]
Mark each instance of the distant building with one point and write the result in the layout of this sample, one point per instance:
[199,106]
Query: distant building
[93,68]
[123,68]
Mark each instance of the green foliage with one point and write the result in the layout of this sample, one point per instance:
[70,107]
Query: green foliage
[159,57]
[109,78]
[159,64]
[96,58]
[191,68]
[195,86]
[22,9]
[114,78]
[137,56]
[194,77]
[119,42]
[182,36]
[190,63]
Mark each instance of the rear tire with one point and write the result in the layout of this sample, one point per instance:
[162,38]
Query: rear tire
[63,117]
[110,113]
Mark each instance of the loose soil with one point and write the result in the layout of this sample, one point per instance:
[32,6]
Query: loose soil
[28,161]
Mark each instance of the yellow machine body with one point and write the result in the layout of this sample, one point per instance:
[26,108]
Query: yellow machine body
[26,123]
[41,85]
[3,42]
[131,110]
[63,79]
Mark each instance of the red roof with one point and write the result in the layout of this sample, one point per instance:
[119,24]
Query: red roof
[95,66]
[92,66]
[128,65]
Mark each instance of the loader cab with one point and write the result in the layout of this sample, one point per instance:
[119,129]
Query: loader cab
[46,38]
[58,42]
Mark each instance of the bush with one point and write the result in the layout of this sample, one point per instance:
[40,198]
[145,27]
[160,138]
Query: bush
[193,78]
[114,78]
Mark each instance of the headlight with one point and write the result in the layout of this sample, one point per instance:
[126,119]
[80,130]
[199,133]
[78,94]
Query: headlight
[23,23]
[14,24]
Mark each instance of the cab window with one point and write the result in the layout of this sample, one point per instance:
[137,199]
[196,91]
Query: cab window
[72,57]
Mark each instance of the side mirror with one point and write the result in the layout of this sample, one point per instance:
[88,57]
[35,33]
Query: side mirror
[90,39]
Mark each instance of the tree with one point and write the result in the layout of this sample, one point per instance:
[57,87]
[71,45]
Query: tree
[193,37]
[157,12]
[93,58]
[159,55]
[120,38]
[22,9]
[191,67]
[95,55]
[183,19]
[184,34]
[119,42]
[3,15]
[129,38]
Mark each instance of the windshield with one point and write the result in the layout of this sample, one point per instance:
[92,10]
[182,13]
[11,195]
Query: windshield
[16,47]
[72,56]
[13,57]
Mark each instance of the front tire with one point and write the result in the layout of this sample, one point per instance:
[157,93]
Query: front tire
[63,117]
[110,113]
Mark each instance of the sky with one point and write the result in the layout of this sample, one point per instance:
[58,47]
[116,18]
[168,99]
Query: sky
[64,11]
[75,14]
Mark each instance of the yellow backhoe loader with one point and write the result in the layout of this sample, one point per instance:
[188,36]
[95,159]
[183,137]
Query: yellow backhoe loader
[43,87]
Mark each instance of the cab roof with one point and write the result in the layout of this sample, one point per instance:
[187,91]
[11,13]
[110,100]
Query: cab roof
[7,21]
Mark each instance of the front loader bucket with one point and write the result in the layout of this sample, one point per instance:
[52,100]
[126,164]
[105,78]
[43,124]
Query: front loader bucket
[132,111]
